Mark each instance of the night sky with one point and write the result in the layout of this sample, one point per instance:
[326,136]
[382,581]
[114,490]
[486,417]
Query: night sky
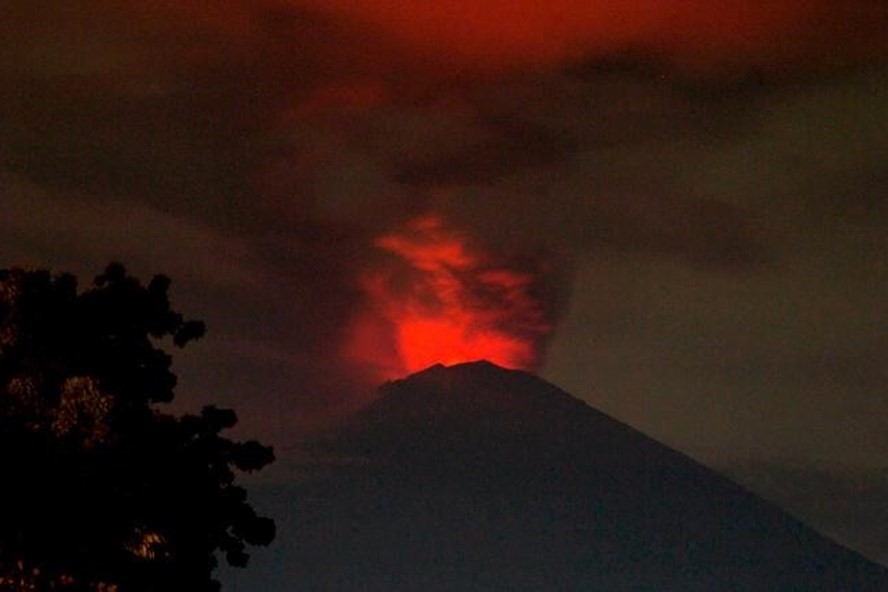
[675,211]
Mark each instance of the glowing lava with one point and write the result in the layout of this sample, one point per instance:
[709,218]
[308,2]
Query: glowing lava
[436,300]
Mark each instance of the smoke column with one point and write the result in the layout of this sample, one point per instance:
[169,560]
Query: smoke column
[435,297]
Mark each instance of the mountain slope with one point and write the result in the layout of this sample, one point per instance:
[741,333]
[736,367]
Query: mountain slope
[477,478]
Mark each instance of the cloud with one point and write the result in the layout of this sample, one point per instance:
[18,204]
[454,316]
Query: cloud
[171,104]
[697,34]
[68,233]
[559,160]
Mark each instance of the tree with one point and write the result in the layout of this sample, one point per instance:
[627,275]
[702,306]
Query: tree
[101,489]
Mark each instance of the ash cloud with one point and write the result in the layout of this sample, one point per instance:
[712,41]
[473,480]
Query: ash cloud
[292,134]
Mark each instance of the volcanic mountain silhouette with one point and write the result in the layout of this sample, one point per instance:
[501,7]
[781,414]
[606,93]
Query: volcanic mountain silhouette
[473,477]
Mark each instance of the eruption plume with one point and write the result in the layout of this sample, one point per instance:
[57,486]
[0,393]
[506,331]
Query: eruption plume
[439,299]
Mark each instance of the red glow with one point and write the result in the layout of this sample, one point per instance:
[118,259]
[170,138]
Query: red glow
[437,300]
[522,32]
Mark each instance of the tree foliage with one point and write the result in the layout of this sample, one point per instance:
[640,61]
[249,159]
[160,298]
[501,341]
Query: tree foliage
[100,488]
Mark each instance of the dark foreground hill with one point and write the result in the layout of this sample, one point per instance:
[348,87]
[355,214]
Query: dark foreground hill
[473,477]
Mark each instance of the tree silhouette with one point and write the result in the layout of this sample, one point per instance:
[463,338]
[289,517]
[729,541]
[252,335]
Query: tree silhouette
[100,490]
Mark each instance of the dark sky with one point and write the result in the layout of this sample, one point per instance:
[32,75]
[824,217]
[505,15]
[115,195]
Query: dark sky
[680,210]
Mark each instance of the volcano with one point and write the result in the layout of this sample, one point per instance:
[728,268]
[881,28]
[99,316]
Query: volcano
[473,477]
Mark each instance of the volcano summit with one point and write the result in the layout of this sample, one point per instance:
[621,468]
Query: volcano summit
[472,477]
